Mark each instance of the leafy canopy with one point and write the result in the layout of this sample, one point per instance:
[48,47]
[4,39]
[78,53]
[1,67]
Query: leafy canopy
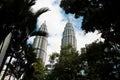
[101,15]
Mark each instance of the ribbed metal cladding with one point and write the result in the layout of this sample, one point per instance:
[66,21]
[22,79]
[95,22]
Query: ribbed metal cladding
[40,44]
[69,36]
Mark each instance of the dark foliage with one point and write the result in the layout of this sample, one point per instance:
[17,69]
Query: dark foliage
[67,66]
[99,64]
[16,16]
[101,15]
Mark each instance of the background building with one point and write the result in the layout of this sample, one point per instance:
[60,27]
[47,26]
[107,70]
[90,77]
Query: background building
[40,43]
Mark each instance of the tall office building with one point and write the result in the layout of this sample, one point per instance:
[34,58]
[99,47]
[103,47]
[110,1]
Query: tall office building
[40,43]
[69,36]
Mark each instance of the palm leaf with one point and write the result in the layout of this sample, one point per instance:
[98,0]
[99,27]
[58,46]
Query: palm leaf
[42,10]
[30,2]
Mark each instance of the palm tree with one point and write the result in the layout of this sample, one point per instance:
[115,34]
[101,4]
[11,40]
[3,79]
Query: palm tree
[16,16]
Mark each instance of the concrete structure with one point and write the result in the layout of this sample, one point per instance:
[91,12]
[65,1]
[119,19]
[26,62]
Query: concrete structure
[3,48]
[40,43]
[69,36]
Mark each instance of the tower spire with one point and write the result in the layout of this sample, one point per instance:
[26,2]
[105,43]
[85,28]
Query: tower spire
[44,21]
[68,19]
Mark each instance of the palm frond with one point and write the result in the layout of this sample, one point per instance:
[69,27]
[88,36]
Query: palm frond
[30,2]
[42,10]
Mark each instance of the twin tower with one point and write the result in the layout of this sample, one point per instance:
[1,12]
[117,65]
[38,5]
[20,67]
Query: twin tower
[40,42]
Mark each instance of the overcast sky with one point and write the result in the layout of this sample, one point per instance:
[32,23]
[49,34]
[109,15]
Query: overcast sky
[55,21]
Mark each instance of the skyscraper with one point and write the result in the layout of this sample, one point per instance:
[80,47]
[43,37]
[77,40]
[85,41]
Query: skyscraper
[40,43]
[69,36]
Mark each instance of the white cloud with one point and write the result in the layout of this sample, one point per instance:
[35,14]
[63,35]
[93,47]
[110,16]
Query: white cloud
[56,26]
[83,39]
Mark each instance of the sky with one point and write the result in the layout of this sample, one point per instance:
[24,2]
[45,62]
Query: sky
[56,20]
